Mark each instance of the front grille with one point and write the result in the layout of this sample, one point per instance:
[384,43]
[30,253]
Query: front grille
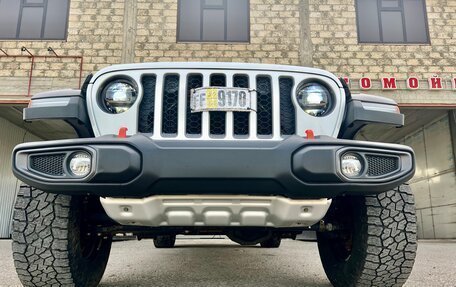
[48,164]
[168,94]
[378,165]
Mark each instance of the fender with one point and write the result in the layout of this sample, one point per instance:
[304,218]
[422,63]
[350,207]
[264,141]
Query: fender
[67,105]
[363,109]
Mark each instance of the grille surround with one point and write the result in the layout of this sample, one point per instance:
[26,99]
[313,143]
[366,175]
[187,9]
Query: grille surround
[48,164]
[105,124]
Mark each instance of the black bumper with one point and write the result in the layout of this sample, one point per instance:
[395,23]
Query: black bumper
[138,166]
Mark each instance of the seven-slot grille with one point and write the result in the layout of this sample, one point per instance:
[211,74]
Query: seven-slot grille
[272,119]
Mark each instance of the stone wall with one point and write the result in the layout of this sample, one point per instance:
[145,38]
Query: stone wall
[336,48]
[298,32]
[96,32]
[274,35]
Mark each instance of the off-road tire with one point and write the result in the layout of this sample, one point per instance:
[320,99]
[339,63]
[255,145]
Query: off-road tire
[381,246]
[48,241]
[164,241]
[272,242]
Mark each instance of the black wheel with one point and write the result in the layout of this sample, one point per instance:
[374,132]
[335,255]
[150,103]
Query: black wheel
[165,241]
[377,243]
[51,246]
[272,242]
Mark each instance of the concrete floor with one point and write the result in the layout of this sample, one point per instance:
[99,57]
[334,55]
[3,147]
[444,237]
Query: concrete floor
[219,262]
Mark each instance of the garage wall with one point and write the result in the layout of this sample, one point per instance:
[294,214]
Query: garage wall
[434,184]
[10,135]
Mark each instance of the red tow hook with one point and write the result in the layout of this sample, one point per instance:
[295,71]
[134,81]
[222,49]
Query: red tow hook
[122,133]
[310,134]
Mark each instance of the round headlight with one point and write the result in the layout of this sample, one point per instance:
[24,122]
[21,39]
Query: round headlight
[351,165]
[118,96]
[80,164]
[314,99]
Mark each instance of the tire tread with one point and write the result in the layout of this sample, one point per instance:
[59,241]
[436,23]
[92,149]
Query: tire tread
[47,244]
[383,239]
[40,238]
[390,250]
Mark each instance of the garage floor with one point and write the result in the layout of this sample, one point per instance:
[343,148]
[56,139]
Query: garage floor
[219,262]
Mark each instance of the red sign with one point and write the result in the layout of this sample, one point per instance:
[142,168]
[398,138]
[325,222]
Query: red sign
[389,84]
[347,80]
[435,83]
[365,83]
[413,83]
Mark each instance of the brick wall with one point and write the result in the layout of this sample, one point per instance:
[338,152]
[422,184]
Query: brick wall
[95,32]
[274,35]
[335,44]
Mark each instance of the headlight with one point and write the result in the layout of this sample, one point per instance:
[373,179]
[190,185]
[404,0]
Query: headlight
[118,96]
[80,164]
[314,99]
[351,165]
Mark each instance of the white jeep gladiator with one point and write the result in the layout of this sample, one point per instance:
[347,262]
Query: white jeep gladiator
[254,152]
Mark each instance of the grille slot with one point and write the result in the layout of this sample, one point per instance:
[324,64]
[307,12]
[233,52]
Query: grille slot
[170,101]
[48,164]
[146,108]
[287,111]
[217,119]
[241,119]
[193,122]
[381,165]
[264,106]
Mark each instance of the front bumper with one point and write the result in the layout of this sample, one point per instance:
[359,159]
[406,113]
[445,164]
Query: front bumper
[139,167]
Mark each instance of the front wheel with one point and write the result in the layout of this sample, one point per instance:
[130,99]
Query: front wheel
[51,244]
[376,244]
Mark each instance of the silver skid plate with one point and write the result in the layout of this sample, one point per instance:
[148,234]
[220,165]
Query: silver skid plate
[198,210]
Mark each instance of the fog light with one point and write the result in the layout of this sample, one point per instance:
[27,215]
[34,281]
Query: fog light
[351,165]
[80,164]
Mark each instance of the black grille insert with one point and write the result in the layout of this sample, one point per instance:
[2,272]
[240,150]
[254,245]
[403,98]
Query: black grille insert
[217,119]
[170,101]
[241,119]
[146,108]
[264,105]
[193,123]
[48,164]
[287,111]
[378,165]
